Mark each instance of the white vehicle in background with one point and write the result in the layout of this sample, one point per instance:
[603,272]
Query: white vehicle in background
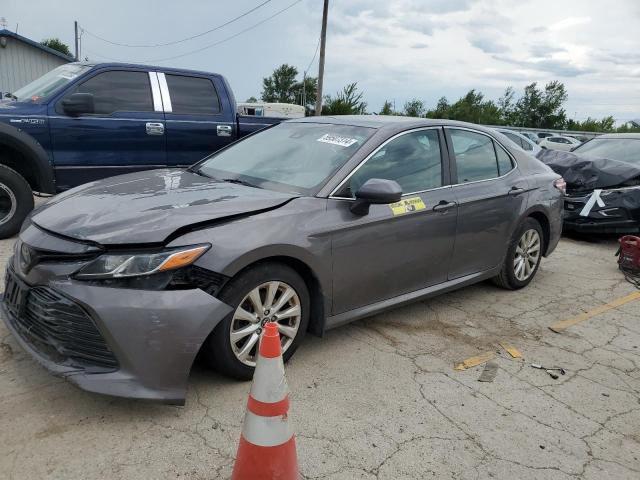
[531,136]
[558,142]
[520,140]
[277,110]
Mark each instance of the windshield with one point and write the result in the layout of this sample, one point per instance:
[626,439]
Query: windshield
[49,83]
[623,149]
[290,157]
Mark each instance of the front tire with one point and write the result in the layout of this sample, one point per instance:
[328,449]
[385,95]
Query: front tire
[263,293]
[16,201]
[523,256]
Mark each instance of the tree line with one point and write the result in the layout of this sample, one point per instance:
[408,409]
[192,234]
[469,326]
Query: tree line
[537,106]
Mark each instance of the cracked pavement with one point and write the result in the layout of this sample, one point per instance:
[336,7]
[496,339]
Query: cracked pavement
[379,399]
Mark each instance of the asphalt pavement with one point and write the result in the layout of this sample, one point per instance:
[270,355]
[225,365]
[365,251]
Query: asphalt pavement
[381,398]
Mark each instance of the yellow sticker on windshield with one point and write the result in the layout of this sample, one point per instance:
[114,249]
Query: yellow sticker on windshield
[408,205]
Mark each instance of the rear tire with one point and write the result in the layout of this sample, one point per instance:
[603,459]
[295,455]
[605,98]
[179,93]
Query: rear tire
[242,293]
[520,265]
[16,201]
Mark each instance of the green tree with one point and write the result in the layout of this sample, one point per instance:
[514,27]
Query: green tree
[441,111]
[414,108]
[475,109]
[507,107]
[251,99]
[387,108]
[57,44]
[542,108]
[282,87]
[347,102]
[606,124]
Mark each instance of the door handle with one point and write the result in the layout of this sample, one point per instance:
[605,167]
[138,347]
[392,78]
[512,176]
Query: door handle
[516,191]
[443,206]
[154,128]
[223,130]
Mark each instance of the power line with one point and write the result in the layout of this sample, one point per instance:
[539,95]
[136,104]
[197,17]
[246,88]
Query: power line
[228,38]
[131,45]
[314,55]
[158,60]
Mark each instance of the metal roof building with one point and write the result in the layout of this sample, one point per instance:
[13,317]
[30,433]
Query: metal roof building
[23,60]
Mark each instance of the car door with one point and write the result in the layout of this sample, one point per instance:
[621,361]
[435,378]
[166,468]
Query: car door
[397,248]
[199,120]
[124,133]
[490,194]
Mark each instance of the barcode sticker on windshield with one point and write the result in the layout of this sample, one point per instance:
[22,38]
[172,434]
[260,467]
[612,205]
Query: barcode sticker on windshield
[337,140]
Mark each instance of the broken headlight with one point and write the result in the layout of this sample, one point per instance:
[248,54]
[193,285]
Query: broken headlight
[136,264]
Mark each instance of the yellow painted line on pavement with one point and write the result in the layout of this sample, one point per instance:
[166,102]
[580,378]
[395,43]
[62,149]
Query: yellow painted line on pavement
[513,351]
[564,324]
[475,361]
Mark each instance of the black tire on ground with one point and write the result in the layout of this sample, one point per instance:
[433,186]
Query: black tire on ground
[217,349]
[16,201]
[506,278]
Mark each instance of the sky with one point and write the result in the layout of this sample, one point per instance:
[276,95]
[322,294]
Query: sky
[396,50]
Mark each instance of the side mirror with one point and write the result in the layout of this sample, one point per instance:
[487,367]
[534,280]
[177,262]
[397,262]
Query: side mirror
[376,191]
[78,103]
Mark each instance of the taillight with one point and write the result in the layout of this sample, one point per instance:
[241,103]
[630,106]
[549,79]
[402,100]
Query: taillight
[561,185]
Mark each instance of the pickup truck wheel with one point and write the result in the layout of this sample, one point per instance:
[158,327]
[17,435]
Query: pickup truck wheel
[16,201]
[267,292]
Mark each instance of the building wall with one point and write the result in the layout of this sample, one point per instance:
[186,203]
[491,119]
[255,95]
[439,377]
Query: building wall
[21,63]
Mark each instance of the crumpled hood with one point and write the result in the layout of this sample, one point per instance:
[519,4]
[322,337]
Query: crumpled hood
[147,207]
[584,174]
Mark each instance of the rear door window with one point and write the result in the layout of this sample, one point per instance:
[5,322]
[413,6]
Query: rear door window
[475,156]
[119,91]
[192,95]
[504,160]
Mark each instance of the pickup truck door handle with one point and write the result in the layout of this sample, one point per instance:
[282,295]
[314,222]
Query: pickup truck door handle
[515,191]
[154,128]
[443,206]
[224,130]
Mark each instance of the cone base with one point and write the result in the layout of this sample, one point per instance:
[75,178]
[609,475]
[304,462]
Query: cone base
[266,463]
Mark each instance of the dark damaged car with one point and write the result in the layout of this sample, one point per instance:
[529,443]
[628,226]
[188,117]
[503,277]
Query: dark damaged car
[119,284]
[603,184]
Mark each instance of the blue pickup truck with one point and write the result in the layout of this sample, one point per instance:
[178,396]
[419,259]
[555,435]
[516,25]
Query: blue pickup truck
[81,122]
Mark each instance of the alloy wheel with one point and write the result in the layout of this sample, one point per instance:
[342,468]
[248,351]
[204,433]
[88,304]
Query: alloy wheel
[7,204]
[527,255]
[273,301]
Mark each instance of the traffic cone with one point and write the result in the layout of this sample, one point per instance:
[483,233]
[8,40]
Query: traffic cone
[267,449]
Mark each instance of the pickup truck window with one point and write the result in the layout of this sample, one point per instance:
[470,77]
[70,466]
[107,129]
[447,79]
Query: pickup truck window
[193,95]
[119,91]
[49,83]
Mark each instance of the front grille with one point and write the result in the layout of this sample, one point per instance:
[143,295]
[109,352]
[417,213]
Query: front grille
[58,327]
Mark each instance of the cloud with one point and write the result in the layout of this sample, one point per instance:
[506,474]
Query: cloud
[557,67]
[488,44]
[569,22]
[419,46]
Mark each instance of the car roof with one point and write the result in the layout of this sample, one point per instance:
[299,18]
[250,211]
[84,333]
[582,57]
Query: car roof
[393,122]
[635,136]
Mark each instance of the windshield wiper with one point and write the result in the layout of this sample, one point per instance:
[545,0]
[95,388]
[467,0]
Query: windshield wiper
[240,182]
[10,95]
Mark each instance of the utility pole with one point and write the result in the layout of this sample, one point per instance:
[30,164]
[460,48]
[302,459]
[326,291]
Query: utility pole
[75,26]
[323,41]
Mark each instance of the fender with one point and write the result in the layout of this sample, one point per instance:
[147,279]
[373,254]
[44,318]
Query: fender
[32,150]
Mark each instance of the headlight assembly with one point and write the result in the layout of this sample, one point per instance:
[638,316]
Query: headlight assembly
[135,264]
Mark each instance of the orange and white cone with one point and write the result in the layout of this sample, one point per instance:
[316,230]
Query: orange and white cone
[267,449]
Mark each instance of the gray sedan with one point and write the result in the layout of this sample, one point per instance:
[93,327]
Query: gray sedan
[117,285]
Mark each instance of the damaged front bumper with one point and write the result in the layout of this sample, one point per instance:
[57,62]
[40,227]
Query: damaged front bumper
[115,341]
[618,213]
